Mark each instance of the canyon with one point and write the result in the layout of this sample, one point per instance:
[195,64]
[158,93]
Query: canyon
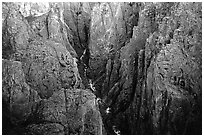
[102,68]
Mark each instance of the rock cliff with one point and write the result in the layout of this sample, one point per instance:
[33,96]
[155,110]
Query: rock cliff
[102,68]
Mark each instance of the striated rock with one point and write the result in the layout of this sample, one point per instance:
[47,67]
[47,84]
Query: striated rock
[154,88]
[111,28]
[167,87]
[77,17]
[102,68]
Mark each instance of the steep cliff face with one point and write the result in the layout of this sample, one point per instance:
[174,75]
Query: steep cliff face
[42,88]
[152,82]
[111,28]
[102,68]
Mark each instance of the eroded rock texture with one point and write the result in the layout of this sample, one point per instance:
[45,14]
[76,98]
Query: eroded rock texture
[151,81]
[102,68]
[42,89]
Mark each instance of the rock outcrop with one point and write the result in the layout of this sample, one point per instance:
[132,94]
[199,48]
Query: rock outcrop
[42,88]
[146,83]
[102,68]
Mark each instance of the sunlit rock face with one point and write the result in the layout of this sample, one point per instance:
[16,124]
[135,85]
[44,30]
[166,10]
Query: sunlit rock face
[111,29]
[116,68]
[33,9]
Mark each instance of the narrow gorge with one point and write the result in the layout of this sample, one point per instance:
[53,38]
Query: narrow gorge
[102,68]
